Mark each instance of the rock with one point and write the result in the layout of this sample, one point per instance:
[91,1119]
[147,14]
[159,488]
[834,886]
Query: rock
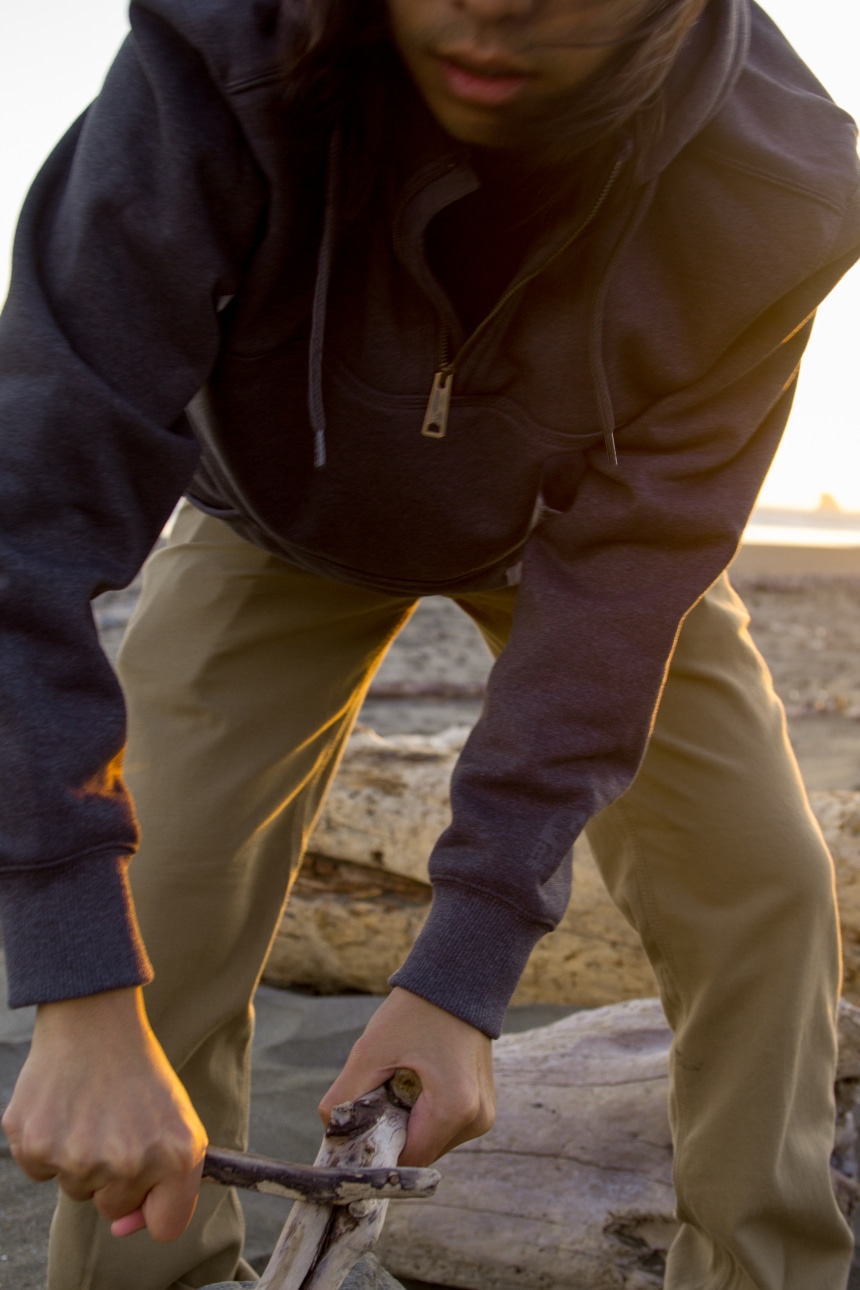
[368,1274]
[362,895]
[573,1186]
[838,814]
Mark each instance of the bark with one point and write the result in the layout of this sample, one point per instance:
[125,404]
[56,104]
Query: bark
[320,1245]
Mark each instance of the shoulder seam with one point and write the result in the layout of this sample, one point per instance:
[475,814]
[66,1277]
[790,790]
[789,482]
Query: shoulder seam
[257,80]
[780,181]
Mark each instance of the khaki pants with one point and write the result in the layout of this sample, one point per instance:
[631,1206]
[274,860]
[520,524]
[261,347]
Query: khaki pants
[243,677]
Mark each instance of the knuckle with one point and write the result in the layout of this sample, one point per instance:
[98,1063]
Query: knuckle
[77,1163]
[178,1162]
[485,1120]
[469,1106]
[126,1167]
[187,1156]
[114,1201]
[73,1188]
[33,1151]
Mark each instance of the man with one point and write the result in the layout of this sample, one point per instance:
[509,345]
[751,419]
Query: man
[499,299]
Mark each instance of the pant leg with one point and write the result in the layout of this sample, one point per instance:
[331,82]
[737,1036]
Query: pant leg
[715,858]
[243,676]
[714,855]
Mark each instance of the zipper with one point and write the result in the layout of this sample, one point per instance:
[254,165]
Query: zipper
[439,403]
[435,424]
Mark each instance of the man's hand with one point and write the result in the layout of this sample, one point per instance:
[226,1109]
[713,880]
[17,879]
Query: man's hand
[453,1059]
[98,1107]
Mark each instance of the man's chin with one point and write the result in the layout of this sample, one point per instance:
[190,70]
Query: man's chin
[511,131]
[481,133]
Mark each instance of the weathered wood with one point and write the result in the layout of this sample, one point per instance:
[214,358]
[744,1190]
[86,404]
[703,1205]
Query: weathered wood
[572,1189]
[363,897]
[319,1246]
[315,1185]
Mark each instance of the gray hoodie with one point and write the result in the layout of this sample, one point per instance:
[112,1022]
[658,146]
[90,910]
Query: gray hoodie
[191,310]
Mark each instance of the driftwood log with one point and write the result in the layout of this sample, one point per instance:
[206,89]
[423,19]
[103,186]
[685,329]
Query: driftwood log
[320,1186]
[320,1244]
[572,1189]
[363,893]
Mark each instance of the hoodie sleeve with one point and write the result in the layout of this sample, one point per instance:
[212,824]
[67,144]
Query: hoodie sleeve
[138,223]
[571,701]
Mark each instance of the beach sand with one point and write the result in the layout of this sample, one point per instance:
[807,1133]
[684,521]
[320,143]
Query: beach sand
[805,607]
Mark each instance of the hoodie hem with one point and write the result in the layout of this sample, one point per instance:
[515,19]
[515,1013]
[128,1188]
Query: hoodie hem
[70,931]
[469,956]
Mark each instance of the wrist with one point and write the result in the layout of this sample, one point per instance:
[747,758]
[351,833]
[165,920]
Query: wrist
[111,1009]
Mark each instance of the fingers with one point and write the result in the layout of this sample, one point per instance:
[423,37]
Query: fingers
[129,1225]
[98,1107]
[437,1123]
[35,1167]
[453,1060]
[169,1207]
[358,1077]
[159,1198]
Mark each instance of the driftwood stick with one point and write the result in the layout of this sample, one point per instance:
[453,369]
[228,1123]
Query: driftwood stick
[319,1245]
[319,1186]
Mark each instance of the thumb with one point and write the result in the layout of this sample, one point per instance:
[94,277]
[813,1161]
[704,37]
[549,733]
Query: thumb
[170,1206]
[355,1080]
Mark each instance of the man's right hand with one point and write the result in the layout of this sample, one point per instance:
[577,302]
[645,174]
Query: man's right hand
[98,1107]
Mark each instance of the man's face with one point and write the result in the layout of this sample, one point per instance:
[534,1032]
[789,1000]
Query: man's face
[493,72]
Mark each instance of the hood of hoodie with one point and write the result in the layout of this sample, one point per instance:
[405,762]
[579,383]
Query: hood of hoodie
[702,77]
[244,55]
[331,346]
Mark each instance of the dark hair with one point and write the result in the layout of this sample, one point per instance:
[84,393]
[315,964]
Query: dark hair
[337,53]
[331,50]
[628,92]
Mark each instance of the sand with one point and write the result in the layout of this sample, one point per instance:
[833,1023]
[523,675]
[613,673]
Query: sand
[805,608]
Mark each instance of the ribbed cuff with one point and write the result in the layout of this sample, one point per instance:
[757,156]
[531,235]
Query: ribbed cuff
[469,956]
[70,931]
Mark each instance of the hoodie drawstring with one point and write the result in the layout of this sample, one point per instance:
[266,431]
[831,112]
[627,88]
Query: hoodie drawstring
[605,410]
[316,407]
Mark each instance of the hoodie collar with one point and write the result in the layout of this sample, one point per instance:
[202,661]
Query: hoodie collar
[701,80]
[431,170]
[703,77]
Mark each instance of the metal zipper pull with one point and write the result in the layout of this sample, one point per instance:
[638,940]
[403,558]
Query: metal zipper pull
[436,416]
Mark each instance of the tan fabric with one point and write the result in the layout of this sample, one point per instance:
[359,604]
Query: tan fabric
[243,677]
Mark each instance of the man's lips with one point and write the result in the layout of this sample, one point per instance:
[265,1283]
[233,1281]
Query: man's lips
[485,82]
